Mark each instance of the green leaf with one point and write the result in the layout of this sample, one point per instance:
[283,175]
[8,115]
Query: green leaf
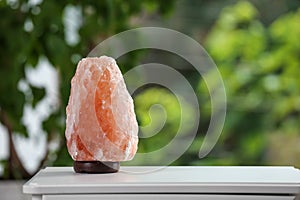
[38,94]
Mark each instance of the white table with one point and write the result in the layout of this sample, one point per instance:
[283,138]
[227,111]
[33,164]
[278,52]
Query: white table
[189,183]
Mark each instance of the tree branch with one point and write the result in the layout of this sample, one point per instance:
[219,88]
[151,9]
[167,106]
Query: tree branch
[15,168]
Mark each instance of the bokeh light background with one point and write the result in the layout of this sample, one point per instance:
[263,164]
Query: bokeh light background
[255,45]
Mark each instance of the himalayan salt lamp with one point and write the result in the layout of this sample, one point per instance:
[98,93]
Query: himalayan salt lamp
[101,126]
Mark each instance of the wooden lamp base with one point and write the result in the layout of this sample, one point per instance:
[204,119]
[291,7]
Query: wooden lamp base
[96,167]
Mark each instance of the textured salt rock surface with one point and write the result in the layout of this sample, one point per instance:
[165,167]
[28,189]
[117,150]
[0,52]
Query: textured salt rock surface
[101,123]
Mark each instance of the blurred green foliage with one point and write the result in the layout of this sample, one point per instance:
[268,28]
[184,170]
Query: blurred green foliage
[162,112]
[161,118]
[259,62]
[260,66]
[30,31]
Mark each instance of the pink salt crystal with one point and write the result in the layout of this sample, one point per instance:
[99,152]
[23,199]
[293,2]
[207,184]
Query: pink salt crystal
[101,123]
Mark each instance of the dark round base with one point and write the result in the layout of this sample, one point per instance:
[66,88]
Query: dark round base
[96,167]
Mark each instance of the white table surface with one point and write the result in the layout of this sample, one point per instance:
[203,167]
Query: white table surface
[172,180]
